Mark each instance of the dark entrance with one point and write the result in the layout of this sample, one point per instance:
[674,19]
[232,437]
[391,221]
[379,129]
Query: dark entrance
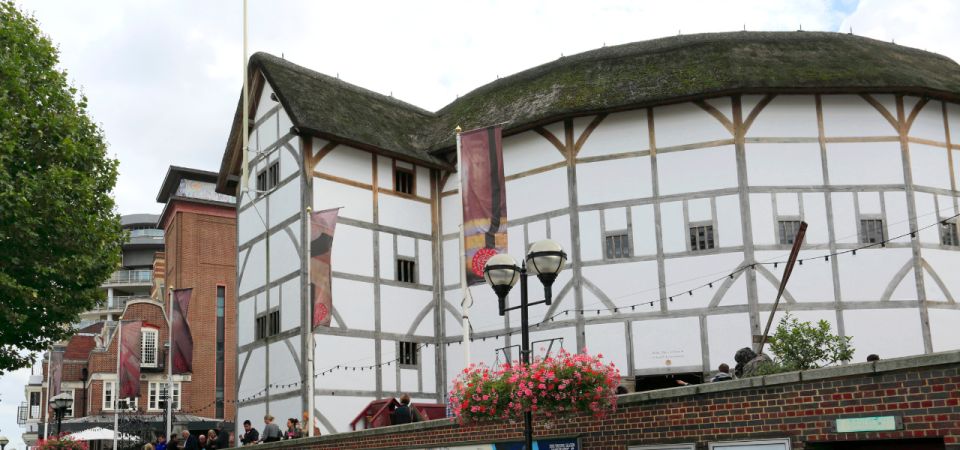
[900,444]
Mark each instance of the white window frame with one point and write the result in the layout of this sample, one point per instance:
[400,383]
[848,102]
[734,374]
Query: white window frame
[143,347]
[108,387]
[722,445]
[153,395]
[30,415]
[73,396]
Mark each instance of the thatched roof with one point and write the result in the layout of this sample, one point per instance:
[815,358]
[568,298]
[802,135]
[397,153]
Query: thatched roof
[612,78]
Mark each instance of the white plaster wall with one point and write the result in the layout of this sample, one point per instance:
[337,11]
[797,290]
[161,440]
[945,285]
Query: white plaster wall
[249,222]
[929,122]
[283,363]
[353,301]
[353,250]
[809,282]
[265,103]
[245,315]
[400,306]
[267,132]
[924,202]
[617,133]
[451,262]
[590,234]
[785,116]
[815,214]
[871,332]
[846,163]
[761,215]
[345,351]
[350,163]
[657,344]
[943,263]
[384,172]
[845,222]
[451,216]
[686,123]
[609,340]
[626,283]
[528,150]
[685,274]
[944,330]
[727,333]
[357,203]
[559,232]
[289,307]
[405,214]
[289,156]
[608,181]
[852,116]
[697,170]
[284,257]
[644,230]
[255,274]
[898,222]
[425,263]
[340,410]
[672,227]
[254,378]
[422,179]
[729,221]
[784,164]
[537,193]
[930,166]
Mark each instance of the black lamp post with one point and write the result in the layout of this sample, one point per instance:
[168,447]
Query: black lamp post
[545,260]
[60,403]
[3,442]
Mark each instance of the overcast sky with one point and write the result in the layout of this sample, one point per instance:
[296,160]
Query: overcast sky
[163,78]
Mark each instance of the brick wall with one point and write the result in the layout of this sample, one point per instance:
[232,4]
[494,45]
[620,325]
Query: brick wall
[802,406]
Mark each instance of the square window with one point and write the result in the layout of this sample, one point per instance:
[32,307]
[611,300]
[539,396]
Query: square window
[701,237]
[408,354]
[871,231]
[157,396]
[788,231]
[948,234]
[617,245]
[403,181]
[406,270]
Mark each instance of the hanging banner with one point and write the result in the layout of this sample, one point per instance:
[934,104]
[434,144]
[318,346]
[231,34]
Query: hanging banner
[181,337]
[322,224]
[484,199]
[129,354]
[55,371]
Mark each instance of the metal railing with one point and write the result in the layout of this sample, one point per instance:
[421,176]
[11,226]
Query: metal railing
[118,302]
[138,276]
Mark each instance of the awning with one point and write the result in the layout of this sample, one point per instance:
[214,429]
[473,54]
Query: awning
[155,421]
[100,434]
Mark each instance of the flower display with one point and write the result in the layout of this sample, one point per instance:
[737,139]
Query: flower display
[63,442]
[568,383]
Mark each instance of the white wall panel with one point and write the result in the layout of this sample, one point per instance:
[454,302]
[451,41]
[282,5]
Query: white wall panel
[625,283]
[617,133]
[350,163]
[944,330]
[290,161]
[559,232]
[930,166]
[761,217]
[283,368]
[357,203]
[399,306]
[844,217]
[686,123]
[405,214]
[871,332]
[644,230]
[387,257]
[898,216]
[284,258]
[810,282]
[409,380]
[815,214]
[656,343]
[340,410]
[267,133]
[869,203]
[451,262]
[451,216]
[699,209]
[353,250]
[528,150]
[867,275]
[784,164]
[425,265]
[255,273]
[850,115]
[788,204]
[925,204]
[289,306]
[340,350]
[249,223]
[590,234]
[728,221]
[672,227]
[385,172]
[285,124]
[429,368]
[929,122]
[943,263]
[353,300]
[697,170]
[537,193]
[536,231]
[688,273]
[266,103]
[608,181]
[423,182]
[254,377]
[609,340]
[245,314]
[727,333]
[953,121]
[615,219]
[406,246]
[785,116]
[846,163]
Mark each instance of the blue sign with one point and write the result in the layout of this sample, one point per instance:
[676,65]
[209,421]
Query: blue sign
[543,444]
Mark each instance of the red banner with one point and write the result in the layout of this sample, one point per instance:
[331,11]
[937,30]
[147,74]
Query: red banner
[129,354]
[484,199]
[322,225]
[55,371]
[181,338]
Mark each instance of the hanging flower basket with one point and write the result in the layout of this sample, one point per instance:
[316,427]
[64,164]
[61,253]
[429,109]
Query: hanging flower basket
[566,384]
[61,443]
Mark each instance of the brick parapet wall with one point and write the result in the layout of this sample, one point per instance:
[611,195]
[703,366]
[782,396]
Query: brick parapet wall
[802,406]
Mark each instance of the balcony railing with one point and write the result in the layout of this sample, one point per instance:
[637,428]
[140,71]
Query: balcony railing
[118,302]
[140,276]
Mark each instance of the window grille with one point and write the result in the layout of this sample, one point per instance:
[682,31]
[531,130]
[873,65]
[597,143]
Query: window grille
[407,353]
[403,181]
[701,237]
[148,348]
[871,231]
[617,245]
[948,234]
[788,231]
[261,327]
[406,270]
[274,323]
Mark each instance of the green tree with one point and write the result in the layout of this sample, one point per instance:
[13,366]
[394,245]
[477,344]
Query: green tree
[60,235]
[803,345]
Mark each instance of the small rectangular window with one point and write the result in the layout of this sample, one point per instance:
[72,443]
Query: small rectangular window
[701,237]
[403,181]
[274,323]
[406,270]
[948,234]
[407,353]
[148,348]
[788,231]
[261,183]
[273,175]
[871,231]
[617,245]
[261,327]
[35,405]
[157,396]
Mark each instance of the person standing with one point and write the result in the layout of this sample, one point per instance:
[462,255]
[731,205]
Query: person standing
[161,443]
[223,437]
[212,440]
[293,429]
[271,432]
[723,374]
[403,414]
[250,434]
[190,441]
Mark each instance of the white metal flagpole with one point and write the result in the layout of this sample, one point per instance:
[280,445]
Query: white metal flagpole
[310,356]
[467,301]
[43,401]
[245,174]
[169,397]
[116,385]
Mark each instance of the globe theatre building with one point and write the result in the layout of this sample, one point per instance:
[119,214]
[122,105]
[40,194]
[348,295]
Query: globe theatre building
[674,172]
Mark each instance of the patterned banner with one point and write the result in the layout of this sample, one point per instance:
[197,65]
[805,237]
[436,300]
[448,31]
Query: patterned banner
[55,371]
[322,225]
[129,353]
[182,339]
[484,199]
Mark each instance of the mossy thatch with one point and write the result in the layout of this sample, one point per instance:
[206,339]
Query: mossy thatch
[612,78]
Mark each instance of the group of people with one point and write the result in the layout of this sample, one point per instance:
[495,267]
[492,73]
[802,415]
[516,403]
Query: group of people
[272,433]
[213,440]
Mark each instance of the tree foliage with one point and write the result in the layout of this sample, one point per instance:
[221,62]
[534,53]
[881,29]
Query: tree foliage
[803,345]
[60,235]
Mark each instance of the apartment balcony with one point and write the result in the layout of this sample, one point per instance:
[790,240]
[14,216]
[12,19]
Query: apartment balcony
[139,277]
[117,303]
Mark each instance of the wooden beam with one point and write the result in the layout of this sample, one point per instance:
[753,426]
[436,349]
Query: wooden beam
[913,114]
[334,178]
[756,111]
[883,111]
[586,133]
[314,160]
[716,115]
[553,140]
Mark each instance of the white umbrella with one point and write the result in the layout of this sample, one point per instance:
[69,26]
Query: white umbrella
[100,434]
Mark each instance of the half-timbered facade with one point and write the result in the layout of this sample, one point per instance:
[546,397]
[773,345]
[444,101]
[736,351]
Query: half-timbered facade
[674,172]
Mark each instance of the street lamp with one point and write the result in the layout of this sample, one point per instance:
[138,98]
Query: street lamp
[545,260]
[60,403]
[3,442]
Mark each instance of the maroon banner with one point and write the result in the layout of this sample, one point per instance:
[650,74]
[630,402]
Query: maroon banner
[129,354]
[484,199]
[182,340]
[55,371]
[322,225]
